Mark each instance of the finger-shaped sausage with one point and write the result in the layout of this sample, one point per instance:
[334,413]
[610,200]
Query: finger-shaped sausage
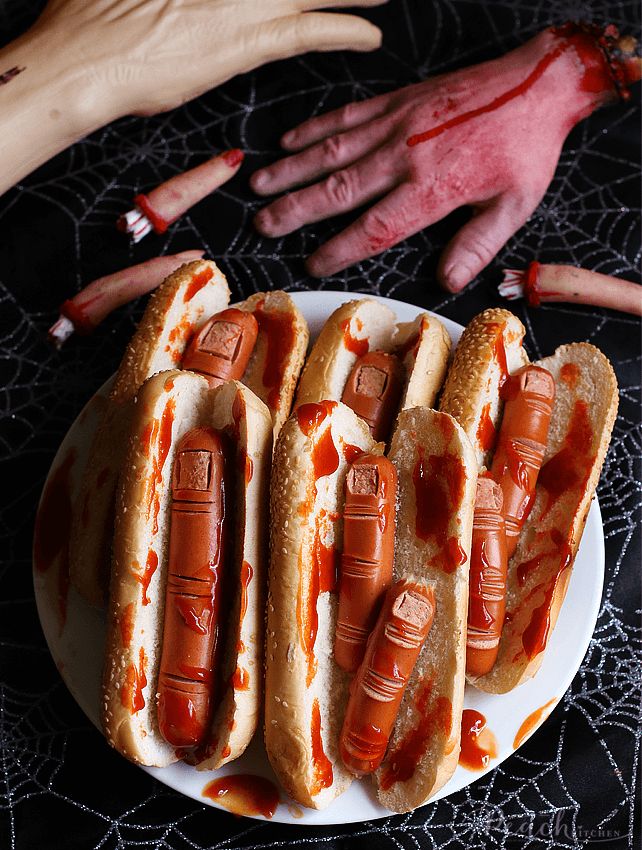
[373,391]
[378,686]
[487,589]
[521,443]
[368,553]
[222,348]
[193,595]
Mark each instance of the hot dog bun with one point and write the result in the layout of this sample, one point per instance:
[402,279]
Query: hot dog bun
[364,325]
[489,349]
[306,692]
[538,573]
[437,479]
[185,301]
[187,297]
[167,406]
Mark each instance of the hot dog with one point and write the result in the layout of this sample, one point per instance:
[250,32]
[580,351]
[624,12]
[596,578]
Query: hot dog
[178,329]
[376,367]
[542,431]
[367,556]
[377,689]
[317,477]
[529,395]
[487,583]
[195,577]
[183,660]
[222,348]
[373,391]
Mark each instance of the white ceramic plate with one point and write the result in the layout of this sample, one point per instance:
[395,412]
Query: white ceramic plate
[77,644]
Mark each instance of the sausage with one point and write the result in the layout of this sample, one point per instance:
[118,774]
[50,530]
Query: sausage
[186,681]
[368,553]
[487,585]
[373,391]
[378,686]
[521,443]
[221,349]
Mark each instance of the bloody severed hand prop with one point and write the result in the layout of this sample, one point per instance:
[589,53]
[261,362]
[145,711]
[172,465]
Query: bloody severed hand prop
[487,136]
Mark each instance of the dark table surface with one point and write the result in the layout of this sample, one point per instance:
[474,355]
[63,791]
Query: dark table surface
[575,780]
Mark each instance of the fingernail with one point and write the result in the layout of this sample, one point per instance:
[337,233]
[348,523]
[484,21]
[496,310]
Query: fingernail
[233,157]
[260,181]
[456,278]
[287,138]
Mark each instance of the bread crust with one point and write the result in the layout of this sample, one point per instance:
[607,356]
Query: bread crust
[471,390]
[363,325]
[432,447]
[168,405]
[279,352]
[303,680]
[538,573]
[173,312]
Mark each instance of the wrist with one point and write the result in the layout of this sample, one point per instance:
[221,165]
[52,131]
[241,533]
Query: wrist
[48,102]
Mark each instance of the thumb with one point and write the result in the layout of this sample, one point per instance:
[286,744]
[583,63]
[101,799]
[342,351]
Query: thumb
[324,31]
[478,241]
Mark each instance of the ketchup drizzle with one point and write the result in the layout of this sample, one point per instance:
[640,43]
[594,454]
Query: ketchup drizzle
[197,282]
[322,766]
[280,332]
[439,488]
[244,794]
[435,716]
[478,744]
[352,343]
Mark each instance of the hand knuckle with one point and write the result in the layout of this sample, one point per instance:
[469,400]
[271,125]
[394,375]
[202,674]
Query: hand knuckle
[380,231]
[340,188]
[332,150]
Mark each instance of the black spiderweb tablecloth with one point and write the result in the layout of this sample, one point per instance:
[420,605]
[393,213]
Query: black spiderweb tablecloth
[575,782]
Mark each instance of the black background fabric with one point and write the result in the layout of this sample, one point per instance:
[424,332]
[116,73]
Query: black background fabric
[575,781]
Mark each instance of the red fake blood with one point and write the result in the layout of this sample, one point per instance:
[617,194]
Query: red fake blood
[569,469]
[156,220]
[280,332]
[439,488]
[131,691]
[321,764]
[486,433]
[530,723]
[244,794]
[435,717]
[53,527]
[478,744]
[197,282]
[352,343]
[595,80]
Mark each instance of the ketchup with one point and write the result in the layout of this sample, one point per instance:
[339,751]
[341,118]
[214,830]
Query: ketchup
[244,794]
[439,488]
[322,766]
[434,715]
[197,282]
[280,331]
[530,723]
[478,744]
[352,343]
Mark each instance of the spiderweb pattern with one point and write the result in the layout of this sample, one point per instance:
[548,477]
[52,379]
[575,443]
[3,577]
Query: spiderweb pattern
[58,233]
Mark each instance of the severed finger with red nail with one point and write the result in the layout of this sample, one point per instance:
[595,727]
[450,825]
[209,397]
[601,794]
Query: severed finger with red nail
[99,298]
[168,202]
